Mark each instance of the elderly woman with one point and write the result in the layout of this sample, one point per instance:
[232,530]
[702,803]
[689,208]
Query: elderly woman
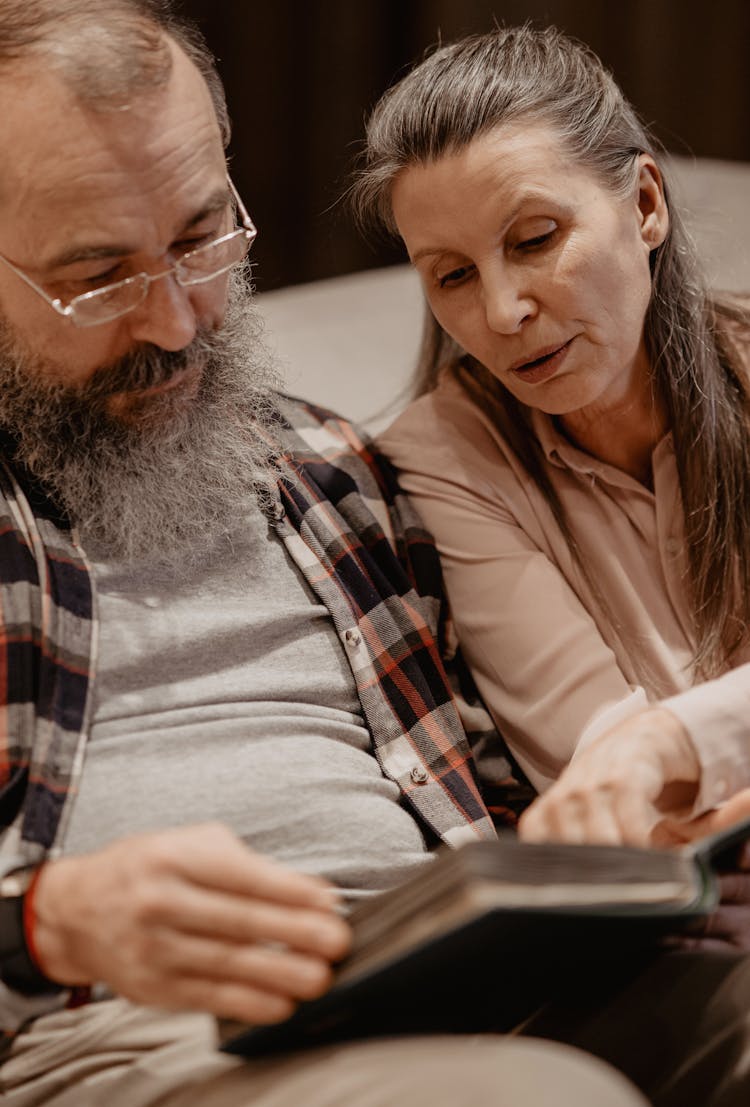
[580,445]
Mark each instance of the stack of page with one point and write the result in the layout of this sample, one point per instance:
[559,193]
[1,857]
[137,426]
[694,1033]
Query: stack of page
[498,917]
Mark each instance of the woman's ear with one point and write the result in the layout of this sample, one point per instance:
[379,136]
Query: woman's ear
[652,203]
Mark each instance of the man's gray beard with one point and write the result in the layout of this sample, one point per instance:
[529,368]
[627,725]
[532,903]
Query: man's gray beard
[181,471]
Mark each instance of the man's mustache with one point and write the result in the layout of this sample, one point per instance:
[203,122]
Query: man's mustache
[146,367]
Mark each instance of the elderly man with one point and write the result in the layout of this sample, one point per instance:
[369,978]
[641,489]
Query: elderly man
[221,690]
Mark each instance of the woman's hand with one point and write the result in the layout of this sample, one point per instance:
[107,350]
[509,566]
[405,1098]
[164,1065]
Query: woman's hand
[189,918]
[676,832]
[729,925]
[620,787]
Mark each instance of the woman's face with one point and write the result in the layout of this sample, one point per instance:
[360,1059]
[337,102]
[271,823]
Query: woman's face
[533,267]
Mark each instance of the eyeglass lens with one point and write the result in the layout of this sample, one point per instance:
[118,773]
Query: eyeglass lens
[196,267]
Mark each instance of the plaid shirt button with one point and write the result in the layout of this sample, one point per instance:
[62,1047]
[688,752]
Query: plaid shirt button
[352,638]
[419,774]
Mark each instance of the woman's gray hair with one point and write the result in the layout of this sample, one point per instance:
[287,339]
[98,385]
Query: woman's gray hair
[465,89]
[521,74]
[107,51]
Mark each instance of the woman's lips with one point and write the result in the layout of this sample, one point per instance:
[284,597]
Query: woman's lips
[542,367]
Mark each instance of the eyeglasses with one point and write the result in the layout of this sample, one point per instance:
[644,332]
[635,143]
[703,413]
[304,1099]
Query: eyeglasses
[198,266]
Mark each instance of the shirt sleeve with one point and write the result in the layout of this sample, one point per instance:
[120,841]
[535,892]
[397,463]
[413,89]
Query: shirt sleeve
[539,661]
[716,715]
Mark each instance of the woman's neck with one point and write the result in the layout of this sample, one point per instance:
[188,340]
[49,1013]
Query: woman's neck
[623,434]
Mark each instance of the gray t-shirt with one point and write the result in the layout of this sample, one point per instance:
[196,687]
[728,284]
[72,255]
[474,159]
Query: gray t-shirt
[222,692]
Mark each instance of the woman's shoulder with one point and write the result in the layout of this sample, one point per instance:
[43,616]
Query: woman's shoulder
[732,319]
[738,300]
[444,426]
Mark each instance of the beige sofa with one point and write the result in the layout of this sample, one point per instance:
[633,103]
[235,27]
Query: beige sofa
[349,343]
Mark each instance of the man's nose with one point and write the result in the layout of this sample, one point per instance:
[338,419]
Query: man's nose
[508,303]
[167,316]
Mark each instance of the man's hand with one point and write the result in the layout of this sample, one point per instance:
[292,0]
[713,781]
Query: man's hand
[189,918]
[642,771]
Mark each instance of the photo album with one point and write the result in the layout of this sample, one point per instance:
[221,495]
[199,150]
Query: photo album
[498,915]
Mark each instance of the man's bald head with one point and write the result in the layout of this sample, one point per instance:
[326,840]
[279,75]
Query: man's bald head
[150,428]
[106,51]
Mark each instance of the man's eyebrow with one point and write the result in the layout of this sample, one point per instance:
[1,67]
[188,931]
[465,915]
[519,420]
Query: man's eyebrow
[83,252]
[216,202]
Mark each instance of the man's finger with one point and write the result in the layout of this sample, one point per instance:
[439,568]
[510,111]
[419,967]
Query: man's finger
[211,854]
[241,919]
[270,969]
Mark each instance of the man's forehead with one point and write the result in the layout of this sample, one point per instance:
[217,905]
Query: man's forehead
[61,152]
[84,243]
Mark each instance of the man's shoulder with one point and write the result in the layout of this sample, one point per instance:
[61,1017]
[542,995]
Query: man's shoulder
[327,460]
[319,425]
[316,439]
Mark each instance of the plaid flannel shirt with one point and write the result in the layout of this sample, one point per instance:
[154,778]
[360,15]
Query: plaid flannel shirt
[339,511]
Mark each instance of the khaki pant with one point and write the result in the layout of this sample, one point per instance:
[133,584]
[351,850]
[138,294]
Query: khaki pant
[114,1054]
[677,1024]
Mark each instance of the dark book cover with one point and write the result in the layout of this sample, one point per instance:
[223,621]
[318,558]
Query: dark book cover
[477,936]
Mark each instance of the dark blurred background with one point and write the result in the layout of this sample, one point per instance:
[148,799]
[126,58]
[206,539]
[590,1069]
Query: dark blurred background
[301,76]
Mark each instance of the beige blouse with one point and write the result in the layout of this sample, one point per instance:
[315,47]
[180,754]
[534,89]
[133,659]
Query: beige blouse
[554,668]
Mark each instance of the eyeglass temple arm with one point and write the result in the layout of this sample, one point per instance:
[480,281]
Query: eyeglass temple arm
[244,215]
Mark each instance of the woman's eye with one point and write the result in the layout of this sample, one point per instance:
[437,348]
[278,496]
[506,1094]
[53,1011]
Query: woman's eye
[535,242]
[456,276]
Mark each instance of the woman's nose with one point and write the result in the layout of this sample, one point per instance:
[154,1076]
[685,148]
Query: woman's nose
[507,304]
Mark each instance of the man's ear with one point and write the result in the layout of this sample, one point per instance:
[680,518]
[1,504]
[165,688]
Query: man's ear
[652,203]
